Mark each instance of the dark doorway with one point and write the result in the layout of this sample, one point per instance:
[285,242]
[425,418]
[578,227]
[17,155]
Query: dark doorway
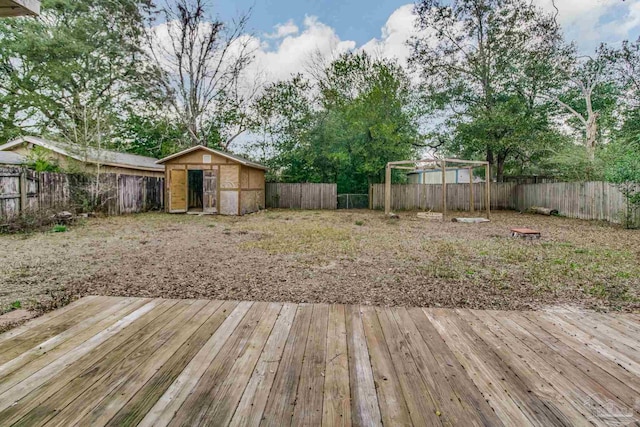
[195,190]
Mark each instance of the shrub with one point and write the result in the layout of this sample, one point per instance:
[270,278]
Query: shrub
[30,221]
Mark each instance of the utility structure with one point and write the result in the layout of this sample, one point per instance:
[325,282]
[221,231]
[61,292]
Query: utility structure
[441,164]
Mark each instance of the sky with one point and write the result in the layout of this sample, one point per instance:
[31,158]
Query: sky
[289,32]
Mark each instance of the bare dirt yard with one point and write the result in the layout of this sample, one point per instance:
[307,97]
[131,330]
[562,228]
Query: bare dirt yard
[329,256]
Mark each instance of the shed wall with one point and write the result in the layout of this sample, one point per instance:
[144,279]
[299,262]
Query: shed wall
[240,188]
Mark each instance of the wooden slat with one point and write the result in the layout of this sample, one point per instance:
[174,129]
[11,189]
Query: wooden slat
[281,400]
[308,407]
[57,325]
[543,379]
[365,410]
[35,359]
[571,331]
[337,404]
[194,409]
[82,382]
[487,372]
[137,407]
[169,403]
[575,367]
[76,400]
[230,390]
[461,384]
[418,395]
[605,334]
[113,401]
[29,394]
[45,318]
[445,399]
[253,401]
[129,361]
[596,357]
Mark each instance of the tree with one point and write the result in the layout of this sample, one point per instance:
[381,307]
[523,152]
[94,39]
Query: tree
[201,62]
[344,126]
[624,171]
[483,60]
[589,97]
[149,136]
[59,75]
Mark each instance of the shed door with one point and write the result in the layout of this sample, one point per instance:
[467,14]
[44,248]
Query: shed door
[178,190]
[210,191]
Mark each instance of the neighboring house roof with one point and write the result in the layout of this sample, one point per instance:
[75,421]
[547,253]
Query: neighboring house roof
[89,154]
[230,156]
[9,158]
[19,8]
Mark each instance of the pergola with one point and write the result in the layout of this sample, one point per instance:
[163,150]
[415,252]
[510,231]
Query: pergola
[441,164]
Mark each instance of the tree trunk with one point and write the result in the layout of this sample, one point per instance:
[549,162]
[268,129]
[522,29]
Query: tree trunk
[592,135]
[490,159]
[500,171]
[500,167]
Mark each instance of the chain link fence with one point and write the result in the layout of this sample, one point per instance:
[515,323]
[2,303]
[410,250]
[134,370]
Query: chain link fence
[353,201]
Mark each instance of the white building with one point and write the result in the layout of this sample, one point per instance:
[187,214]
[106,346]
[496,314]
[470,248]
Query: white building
[434,176]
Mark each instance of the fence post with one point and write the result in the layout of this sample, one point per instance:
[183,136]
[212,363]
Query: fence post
[471,201]
[387,189]
[444,190]
[23,189]
[487,195]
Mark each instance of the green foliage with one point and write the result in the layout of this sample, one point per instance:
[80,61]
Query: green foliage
[59,228]
[571,162]
[16,305]
[361,118]
[484,65]
[72,72]
[151,137]
[624,170]
[39,159]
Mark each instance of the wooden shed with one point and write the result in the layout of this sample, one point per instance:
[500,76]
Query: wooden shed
[201,179]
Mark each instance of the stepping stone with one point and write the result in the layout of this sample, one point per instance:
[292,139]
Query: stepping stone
[525,233]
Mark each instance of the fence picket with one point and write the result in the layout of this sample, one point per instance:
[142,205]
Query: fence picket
[301,195]
[51,191]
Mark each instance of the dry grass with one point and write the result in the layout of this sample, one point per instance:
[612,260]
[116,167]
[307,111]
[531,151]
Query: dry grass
[340,256]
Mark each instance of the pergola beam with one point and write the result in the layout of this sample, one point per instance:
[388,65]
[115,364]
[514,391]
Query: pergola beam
[434,164]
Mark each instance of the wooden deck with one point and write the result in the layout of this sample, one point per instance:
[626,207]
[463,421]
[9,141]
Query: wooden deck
[154,362]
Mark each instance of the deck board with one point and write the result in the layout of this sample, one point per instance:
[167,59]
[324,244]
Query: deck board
[154,362]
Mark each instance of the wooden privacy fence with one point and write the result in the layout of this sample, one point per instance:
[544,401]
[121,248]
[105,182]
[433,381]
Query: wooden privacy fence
[22,190]
[583,200]
[429,196]
[301,196]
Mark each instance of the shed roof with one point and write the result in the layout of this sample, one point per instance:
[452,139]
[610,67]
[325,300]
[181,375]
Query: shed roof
[19,7]
[226,154]
[9,158]
[89,154]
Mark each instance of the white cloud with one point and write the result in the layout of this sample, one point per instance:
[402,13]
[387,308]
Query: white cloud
[283,30]
[590,22]
[294,51]
[396,32]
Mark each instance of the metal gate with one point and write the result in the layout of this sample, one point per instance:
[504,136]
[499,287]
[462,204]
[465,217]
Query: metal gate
[353,201]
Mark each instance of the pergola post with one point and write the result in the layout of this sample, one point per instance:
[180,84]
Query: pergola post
[435,164]
[487,192]
[387,190]
[444,190]
[472,206]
